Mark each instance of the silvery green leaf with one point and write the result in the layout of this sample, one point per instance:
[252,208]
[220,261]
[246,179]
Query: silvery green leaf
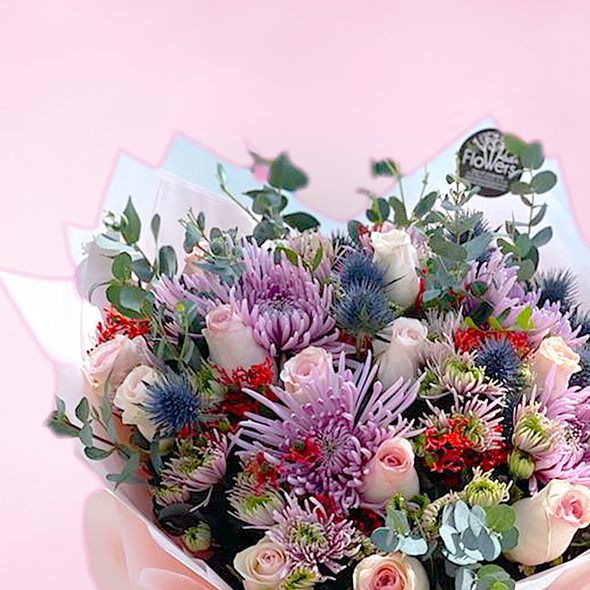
[469,539]
[461,515]
[385,540]
[489,545]
[413,546]
[476,521]
[465,579]
[398,521]
[447,515]
[502,517]
[461,558]
[105,243]
[509,539]
[450,537]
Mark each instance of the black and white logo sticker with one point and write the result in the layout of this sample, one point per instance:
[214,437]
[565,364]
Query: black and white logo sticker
[485,162]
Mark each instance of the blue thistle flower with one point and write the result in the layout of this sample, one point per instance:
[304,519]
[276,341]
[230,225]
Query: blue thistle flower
[500,362]
[173,404]
[363,309]
[557,286]
[582,378]
[358,269]
[581,319]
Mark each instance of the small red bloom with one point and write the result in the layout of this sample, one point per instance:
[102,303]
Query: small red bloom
[258,377]
[470,338]
[116,323]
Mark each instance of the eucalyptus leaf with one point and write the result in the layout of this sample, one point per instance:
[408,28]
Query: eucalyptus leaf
[85,435]
[447,249]
[543,237]
[167,261]
[532,157]
[385,540]
[526,270]
[131,228]
[143,270]
[385,167]
[301,221]
[132,298]
[95,454]
[509,539]
[424,205]
[82,410]
[284,175]
[464,579]
[517,187]
[544,181]
[400,215]
[514,144]
[538,217]
[502,517]
[155,226]
[121,267]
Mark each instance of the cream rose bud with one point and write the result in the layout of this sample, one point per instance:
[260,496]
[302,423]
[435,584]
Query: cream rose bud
[409,338]
[554,352]
[114,360]
[262,566]
[398,259]
[132,394]
[548,521]
[391,471]
[395,571]
[301,368]
[231,343]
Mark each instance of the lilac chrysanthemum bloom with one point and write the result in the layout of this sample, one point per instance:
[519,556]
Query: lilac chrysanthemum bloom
[442,326]
[484,421]
[503,291]
[309,535]
[569,456]
[549,320]
[323,441]
[197,465]
[254,503]
[457,373]
[316,251]
[285,306]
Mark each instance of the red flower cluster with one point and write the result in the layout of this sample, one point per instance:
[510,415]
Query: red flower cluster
[264,473]
[258,377]
[470,338]
[116,323]
[451,449]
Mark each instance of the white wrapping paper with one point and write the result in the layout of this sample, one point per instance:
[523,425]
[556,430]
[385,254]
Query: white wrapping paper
[64,322]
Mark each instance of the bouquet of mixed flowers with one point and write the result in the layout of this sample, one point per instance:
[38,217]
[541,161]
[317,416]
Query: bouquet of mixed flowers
[402,404]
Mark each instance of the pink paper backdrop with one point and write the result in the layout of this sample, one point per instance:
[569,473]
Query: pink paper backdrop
[335,82]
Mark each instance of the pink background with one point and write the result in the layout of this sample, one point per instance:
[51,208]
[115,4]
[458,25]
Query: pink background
[335,82]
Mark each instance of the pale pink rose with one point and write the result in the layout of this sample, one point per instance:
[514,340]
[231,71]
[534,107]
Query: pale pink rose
[391,471]
[395,571]
[548,521]
[302,368]
[132,394]
[409,338]
[262,566]
[113,361]
[554,352]
[231,343]
[195,257]
[398,259]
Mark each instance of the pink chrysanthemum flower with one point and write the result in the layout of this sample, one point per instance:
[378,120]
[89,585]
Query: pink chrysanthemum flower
[322,442]
[286,307]
[311,536]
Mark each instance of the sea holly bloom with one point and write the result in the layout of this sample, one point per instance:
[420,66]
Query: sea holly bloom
[310,535]
[324,446]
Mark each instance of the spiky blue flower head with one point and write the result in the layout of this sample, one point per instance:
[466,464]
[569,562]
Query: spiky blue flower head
[358,268]
[582,378]
[581,319]
[501,362]
[557,286]
[173,404]
[363,309]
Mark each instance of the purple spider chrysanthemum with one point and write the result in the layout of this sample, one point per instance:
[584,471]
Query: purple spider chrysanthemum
[567,454]
[285,306]
[310,536]
[549,320]
[322,442]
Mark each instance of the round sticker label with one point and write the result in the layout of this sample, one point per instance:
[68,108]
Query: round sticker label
[485,162]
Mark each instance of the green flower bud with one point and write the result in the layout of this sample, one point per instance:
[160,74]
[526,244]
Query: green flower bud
[521,464]
[484,491]
[197,538]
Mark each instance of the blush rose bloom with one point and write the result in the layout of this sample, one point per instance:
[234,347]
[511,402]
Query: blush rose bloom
[554,352]
[114,360]
[263,566]
[391,471]
[302,367]
[548,521]
[231,343]
[398,259]
[395,571]
[409,338]
[132,394]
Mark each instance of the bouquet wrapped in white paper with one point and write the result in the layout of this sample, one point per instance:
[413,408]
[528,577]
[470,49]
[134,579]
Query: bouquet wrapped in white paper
[455,457]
